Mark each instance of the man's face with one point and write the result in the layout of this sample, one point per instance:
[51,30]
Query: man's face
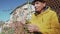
[39,6]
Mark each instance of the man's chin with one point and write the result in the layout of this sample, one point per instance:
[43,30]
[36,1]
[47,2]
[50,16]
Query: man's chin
[36,10]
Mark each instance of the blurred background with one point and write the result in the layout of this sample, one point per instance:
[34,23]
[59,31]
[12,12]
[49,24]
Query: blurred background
[10,10]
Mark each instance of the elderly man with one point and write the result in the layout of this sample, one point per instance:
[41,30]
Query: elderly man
[44,20]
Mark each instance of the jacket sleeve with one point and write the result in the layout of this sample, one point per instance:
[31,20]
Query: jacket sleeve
[54,24]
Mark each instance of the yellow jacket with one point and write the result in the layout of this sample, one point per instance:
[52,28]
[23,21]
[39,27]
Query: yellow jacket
[47,22]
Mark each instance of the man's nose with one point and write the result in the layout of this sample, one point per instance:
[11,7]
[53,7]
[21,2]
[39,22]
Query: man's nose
[35,5]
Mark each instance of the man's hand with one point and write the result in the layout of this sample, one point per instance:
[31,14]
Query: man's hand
[32,28]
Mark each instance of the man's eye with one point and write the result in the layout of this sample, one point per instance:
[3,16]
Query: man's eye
[36,3]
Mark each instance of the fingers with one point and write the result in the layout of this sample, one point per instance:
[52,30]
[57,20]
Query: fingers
[32,28]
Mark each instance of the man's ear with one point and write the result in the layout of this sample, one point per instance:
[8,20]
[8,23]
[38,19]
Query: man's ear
[44,4]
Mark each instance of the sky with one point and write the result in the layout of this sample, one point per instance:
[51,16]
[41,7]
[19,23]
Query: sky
[7,6]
